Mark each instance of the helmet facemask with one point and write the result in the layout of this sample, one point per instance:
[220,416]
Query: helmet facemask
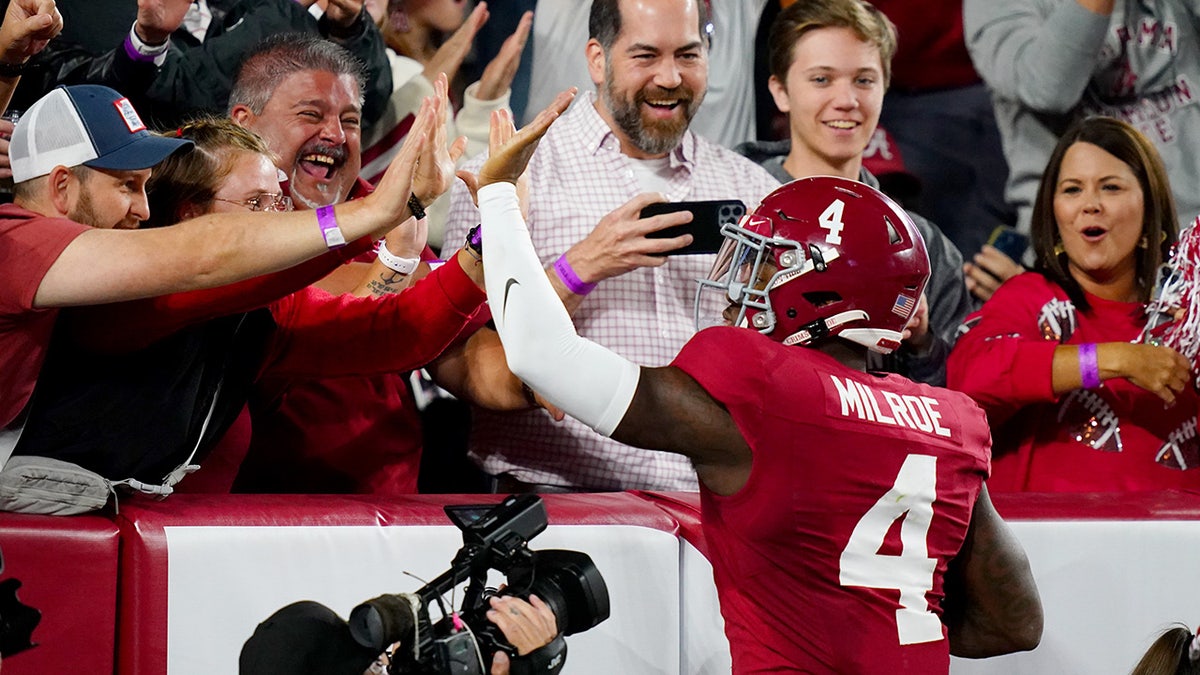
[751,264]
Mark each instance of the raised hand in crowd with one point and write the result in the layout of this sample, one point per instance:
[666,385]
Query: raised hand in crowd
[989,269]
[343,13]
[390,198]
[157,19]
[497,77]
[6,130]
[28,27]
[432,176]
[435,168]
[454,50]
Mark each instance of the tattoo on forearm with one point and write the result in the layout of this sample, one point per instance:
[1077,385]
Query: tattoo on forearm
[393,278]
[386,283]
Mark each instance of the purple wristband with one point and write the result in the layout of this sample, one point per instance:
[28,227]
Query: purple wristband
[134,54]
[569,278]
[132,51]
[1089,367]
[327,221]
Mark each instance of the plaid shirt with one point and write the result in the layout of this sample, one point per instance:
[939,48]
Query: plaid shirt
[577,176]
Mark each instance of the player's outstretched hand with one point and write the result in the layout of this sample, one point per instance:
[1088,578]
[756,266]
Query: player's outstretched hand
[509,150]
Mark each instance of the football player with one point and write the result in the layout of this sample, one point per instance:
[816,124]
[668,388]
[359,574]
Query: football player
[846,514]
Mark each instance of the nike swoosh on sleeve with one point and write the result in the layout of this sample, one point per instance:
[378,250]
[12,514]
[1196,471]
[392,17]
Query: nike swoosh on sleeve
[508,287]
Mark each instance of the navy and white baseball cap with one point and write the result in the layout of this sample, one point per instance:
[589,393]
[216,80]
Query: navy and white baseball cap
[84,124]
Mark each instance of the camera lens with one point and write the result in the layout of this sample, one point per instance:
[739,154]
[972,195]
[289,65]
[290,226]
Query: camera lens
[570,584]
[383,621]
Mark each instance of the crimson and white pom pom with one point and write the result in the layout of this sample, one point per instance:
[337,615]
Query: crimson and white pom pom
[1178,288]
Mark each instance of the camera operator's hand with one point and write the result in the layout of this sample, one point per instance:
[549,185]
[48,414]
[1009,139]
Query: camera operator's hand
[526,625]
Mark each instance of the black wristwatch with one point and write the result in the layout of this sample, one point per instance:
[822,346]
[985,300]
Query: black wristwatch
[12,69]
[474,244]
[415,207]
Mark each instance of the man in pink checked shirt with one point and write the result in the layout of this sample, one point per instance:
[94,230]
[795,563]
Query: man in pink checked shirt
[610,155]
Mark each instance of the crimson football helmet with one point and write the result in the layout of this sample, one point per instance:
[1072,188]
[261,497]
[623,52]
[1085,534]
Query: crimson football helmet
[823,256]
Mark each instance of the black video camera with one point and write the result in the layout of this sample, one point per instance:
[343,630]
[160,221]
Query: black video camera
[463,643]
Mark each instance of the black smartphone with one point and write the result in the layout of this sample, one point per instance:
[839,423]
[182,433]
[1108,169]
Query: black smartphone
[705,227]
[1009,242]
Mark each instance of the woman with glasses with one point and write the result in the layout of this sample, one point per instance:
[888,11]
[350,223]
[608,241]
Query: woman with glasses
[145,389]
[1075,402]
[229,169]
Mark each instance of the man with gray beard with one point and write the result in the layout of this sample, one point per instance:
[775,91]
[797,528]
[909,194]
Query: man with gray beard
[613,153]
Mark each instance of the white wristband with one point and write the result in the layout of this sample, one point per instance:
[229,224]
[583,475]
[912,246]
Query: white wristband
[395,262]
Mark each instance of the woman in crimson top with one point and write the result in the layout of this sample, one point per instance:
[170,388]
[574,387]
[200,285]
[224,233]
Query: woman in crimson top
[1075,404]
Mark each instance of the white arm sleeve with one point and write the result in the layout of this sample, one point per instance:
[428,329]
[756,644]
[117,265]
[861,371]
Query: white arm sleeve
[589,382]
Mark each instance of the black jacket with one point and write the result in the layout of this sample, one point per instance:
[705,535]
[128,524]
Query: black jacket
[196,77]
[140,414]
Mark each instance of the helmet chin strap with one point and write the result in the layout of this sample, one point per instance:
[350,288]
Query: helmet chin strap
[878,340]
[822,327]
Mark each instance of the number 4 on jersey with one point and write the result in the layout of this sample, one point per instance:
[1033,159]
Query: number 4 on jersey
[911,497]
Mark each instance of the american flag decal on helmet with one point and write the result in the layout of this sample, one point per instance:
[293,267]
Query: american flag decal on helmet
[904,306]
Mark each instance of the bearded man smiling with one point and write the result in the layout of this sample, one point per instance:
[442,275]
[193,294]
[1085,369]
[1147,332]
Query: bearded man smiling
[613,153]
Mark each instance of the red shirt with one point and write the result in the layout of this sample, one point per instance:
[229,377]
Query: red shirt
[29,245]
[931,52]
[810,568]
[358,432]
[1117,438]
[334,434]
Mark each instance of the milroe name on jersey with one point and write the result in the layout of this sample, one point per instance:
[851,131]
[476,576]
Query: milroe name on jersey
[914,412]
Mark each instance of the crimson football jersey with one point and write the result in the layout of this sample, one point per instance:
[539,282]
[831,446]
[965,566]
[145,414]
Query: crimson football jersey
[831,558]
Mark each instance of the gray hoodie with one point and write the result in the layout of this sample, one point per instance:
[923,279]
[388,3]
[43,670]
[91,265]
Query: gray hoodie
[1049,62]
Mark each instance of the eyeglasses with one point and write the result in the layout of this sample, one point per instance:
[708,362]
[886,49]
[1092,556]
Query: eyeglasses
[262,202]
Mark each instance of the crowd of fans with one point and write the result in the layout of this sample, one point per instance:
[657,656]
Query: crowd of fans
[193,297]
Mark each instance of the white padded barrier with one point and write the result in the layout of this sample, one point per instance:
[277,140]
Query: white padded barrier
[198,573]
